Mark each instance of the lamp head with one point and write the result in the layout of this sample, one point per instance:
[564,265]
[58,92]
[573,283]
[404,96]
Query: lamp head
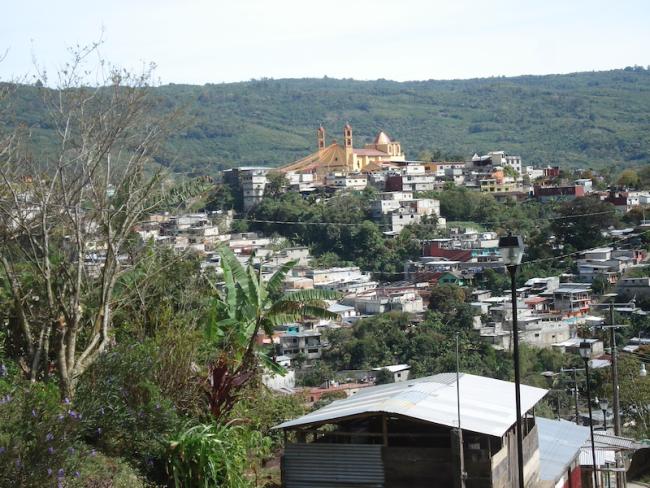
[511,249]
[585,350]
[604,404]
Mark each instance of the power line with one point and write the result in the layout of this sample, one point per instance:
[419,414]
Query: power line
[354,224]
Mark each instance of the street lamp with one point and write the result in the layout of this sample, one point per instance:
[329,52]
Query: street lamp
[604,404]
[512,250]
[585,353]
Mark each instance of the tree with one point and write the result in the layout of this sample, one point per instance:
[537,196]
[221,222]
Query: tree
[384,376]
[581,222]
[628,178]
[68,213]
[277,184]
[600,284]
[446,298]
[244,308]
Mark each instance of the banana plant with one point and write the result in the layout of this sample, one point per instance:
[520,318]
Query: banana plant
[245,307]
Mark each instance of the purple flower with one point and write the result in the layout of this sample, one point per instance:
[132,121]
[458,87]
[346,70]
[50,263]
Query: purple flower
[49,437]
[2,450]
[49,471]
[61,473]
[50,450]
[18,463]
[77,474]
[71,450]
[3,370]
[72,414]
[93,453]
[61,416]
[66,400]
[33,413]
[59,484]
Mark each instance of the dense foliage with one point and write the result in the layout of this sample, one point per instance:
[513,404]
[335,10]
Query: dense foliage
[580,119]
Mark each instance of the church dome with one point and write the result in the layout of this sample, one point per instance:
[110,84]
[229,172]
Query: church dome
[382,138]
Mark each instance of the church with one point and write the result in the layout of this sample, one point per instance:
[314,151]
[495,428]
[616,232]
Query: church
[345,158]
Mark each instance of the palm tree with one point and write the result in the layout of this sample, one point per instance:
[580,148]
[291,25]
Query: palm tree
[244,307]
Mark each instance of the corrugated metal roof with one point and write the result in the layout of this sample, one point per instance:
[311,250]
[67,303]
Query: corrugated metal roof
[487,405]
[559,444]
[609,441]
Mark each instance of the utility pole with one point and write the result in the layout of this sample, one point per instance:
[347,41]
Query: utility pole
[615,386]
[461,454]
[575,389]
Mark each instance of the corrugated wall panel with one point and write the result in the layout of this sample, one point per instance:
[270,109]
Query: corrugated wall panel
[333,465]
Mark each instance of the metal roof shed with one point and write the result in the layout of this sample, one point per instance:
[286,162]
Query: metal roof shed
[487,405]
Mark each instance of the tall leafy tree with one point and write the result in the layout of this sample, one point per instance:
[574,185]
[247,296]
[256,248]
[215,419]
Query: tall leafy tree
[244,310]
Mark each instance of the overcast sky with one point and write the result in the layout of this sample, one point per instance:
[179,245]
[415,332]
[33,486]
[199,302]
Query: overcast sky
[211,41]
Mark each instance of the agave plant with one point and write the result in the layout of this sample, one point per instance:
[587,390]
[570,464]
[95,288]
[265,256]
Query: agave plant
[243,308]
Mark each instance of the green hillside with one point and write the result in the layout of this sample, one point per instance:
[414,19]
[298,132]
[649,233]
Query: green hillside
[584,119]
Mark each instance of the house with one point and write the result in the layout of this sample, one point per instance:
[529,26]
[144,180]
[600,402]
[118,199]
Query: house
[558,193]
[400,372]
[634,287]
[250,180]
[607,447]
[382,300]
[346,181]
[296,340]
[560,445]
[572,299]
[572,346]
[406,434]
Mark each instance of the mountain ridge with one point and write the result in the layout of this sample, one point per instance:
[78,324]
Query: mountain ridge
[589,119]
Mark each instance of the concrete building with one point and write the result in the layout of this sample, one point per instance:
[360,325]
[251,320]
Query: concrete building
[404,434]
[346,181]
[295,340]
[400,372]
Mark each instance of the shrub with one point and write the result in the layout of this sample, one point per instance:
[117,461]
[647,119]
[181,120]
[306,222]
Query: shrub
[124,412]
[210,455]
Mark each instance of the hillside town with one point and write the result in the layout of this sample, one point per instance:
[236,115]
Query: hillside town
[564,313]
[368,244]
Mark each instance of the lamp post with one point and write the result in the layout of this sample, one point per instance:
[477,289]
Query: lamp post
[512,250]
[604,404]
[585,353]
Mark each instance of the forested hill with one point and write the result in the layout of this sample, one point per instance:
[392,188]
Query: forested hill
[583,119]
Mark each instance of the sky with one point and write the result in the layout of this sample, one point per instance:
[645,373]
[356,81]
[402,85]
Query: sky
[214,41]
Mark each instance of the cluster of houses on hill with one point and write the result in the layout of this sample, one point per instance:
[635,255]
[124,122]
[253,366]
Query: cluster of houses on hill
[550,309]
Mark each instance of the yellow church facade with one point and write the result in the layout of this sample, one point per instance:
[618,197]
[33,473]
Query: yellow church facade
[345,158]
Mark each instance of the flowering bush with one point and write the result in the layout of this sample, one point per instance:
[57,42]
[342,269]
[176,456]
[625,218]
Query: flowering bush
[124,412]
[40,443]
